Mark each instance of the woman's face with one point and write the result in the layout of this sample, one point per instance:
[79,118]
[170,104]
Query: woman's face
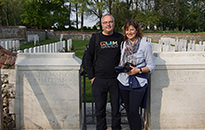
[131,32]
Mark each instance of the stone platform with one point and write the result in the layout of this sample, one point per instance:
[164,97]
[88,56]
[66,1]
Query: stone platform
[91,123]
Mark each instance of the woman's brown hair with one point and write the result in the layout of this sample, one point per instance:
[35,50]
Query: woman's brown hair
[136,26]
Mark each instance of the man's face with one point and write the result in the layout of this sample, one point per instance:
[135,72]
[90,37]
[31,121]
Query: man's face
[107,24]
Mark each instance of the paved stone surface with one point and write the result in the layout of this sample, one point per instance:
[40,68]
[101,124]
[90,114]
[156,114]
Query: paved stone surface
[90,118]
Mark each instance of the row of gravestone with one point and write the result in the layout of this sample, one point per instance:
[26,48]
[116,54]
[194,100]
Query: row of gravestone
[177,45]
[33,38]
[49,48]
[14,45]
[10,44]
[165,45]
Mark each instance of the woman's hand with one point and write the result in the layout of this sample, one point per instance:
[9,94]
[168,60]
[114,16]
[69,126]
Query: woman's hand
[133,71]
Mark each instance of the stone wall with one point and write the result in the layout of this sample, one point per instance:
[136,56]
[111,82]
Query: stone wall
[8,80]
[187,36]
[41,33]
[69,35]
[154,36]
[13,32]
[21,32]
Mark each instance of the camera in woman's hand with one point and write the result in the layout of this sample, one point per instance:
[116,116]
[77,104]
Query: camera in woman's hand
[127,67]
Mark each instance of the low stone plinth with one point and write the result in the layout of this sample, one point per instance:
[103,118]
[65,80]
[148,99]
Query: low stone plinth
[48,92]
[177,91]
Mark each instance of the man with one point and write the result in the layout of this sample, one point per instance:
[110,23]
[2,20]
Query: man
[102,56]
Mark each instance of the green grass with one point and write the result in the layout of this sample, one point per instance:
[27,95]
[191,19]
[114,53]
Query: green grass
[78,48]
[31,44]
[88,89]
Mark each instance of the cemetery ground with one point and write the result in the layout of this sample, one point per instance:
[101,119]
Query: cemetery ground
[78,47]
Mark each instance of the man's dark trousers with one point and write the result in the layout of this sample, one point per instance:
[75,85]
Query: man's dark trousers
[100,89]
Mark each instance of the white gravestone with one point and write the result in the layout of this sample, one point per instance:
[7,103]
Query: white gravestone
[2,44]
[61,37]
[48,92]
[50,48]
[47,48]
[6,45]
[30,50]
[69,44]
[56,46]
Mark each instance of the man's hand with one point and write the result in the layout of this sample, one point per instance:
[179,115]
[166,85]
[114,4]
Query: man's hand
[92,80]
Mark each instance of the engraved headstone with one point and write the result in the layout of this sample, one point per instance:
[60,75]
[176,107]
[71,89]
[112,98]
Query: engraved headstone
[177,91]
[48,91]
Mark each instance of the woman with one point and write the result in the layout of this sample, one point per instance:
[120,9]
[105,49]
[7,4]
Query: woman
[133,84]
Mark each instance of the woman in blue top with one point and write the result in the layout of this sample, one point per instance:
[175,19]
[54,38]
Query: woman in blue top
[133,84]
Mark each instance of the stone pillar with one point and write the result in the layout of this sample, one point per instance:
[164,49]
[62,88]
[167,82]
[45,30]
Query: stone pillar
[177,91]
[48,91]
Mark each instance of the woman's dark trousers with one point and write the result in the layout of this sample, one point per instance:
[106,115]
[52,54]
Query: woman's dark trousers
[132,100]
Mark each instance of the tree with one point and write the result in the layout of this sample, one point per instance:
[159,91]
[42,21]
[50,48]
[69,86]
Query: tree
[80,7]
[45,13]
[10,11]
[5,11]
[1,14]
[121,13]
[69,10]
[60,13]
[165,14]
[82,10]
[96,7]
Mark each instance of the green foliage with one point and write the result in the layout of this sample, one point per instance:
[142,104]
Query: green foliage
[43,13]
[78,48]
[10,11]
[35,15]
[88,89]
[164,15]
[121,13]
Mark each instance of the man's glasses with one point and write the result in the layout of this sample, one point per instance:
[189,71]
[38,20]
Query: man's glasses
[106,22]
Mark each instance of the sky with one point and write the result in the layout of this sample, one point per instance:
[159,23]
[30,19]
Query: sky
[89,21]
